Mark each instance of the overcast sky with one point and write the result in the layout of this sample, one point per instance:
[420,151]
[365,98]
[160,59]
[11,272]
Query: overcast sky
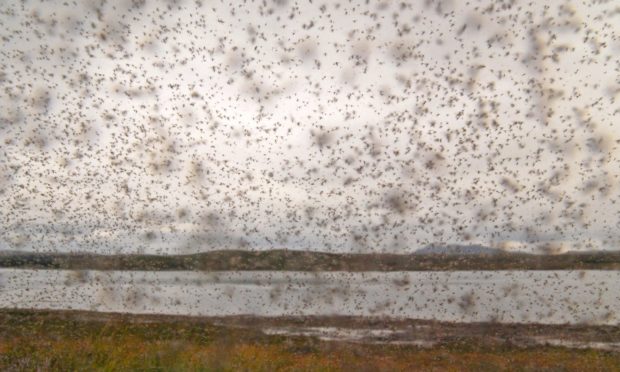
[184,126]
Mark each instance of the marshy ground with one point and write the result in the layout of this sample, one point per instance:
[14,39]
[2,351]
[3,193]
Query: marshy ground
[70,340]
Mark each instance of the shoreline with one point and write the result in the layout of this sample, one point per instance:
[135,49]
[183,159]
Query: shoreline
[404,331]
[284,260]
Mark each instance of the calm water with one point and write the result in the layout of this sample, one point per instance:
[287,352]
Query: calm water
[469,296]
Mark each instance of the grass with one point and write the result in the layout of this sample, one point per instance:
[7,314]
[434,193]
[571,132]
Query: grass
[67,341]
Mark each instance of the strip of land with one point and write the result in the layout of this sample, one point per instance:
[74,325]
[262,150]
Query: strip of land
[286,260]
[70,340]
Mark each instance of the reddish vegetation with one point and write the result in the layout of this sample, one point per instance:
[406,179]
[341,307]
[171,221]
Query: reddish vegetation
[83,341]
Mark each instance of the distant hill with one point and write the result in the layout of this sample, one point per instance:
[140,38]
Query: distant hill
[432,258]
[454,249]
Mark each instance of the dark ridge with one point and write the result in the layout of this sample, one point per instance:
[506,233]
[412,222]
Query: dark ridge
[453,249]
[285,260]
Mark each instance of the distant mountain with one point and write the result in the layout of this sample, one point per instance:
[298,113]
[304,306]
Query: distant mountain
[455,249]
[434,258]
